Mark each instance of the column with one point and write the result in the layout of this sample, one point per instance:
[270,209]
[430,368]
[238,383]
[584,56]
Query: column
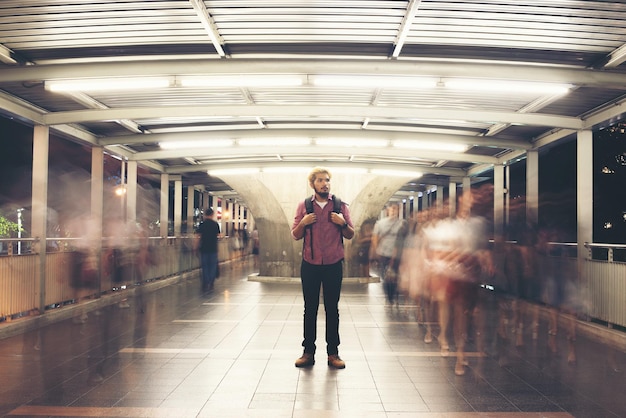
[452,198]
[39,220]
[191,206]
[507,196]
[131,192]
[165,201]
[584,192]
[498,202]
[532,187]
[97,205]
[178,205]
[439,197]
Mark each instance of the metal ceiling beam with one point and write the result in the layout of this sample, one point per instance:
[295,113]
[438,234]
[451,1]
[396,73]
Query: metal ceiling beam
[391,112]
[313,150]
[349,132]
[373,66]
[452,172]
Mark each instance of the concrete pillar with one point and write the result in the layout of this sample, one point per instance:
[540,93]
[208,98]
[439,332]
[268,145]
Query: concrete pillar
[507,196]
[164,206]
[131,192]
[452,199]
[191,206]
[439,197]
[221,204]
[498,202]
[532,187]
[39,220]
[178,205]
[584,192]
[97,204]
[123,190]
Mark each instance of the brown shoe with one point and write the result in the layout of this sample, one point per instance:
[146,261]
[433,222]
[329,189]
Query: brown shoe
[335,362]
[306,360]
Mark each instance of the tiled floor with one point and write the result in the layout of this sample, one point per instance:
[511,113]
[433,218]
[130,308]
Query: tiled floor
[231,354]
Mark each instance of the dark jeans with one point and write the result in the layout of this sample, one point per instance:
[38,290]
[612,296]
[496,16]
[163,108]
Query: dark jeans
[209,269]
[390,284]
[328,278]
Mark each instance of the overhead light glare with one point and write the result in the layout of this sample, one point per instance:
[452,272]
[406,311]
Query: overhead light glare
[288,169]
[352,142]
[506,86]
[430,146]
[274,142]
[242,81]
[373,81]
[213,143]
[106,84]
[233,171]
[349,170]
[396,173]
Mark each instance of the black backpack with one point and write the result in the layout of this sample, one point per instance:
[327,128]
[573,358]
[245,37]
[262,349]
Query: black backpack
[308,204]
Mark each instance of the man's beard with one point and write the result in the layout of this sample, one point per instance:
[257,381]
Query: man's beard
[323,195]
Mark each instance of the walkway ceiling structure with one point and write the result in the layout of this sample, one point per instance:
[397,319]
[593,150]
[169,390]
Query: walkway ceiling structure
[372,84]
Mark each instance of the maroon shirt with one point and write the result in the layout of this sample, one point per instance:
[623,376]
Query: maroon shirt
[325,235]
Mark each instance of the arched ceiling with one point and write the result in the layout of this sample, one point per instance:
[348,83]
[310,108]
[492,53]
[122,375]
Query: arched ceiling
[387,84]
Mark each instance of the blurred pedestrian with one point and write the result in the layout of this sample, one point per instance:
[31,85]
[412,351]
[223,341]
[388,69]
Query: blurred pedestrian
[208,232]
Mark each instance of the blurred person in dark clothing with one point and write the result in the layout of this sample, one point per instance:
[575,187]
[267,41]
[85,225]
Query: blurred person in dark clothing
[208,232]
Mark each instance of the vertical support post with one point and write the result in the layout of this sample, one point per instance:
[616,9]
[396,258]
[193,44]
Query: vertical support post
[97,207]
[498,202]
[507,195]
[131,192]
[164,206]
[532,187]
[584,193]
[191,206]
[39,221]
[452,199]
[178,206]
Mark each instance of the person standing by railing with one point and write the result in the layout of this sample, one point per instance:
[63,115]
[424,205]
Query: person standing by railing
[208,232]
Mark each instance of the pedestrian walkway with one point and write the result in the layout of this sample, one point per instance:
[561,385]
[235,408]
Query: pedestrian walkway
[231,353]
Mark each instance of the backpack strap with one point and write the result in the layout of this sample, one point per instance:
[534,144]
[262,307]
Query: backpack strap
[308,204]
[336,204]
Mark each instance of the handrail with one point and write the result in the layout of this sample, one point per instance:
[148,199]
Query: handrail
[599,245]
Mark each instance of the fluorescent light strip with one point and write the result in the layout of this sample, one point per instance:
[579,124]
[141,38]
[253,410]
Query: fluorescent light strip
[382,81]
[233,171]
[247,80]
[503,86]
[295,169]
[286,169]
[274,142]
[430,146]
[352,142]
[134,83]
[214,143]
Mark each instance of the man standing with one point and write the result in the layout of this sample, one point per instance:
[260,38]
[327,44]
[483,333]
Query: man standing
[208,232]
[323,230]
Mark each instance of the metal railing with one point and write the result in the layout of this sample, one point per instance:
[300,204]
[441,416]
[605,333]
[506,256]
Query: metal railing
[68,259]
